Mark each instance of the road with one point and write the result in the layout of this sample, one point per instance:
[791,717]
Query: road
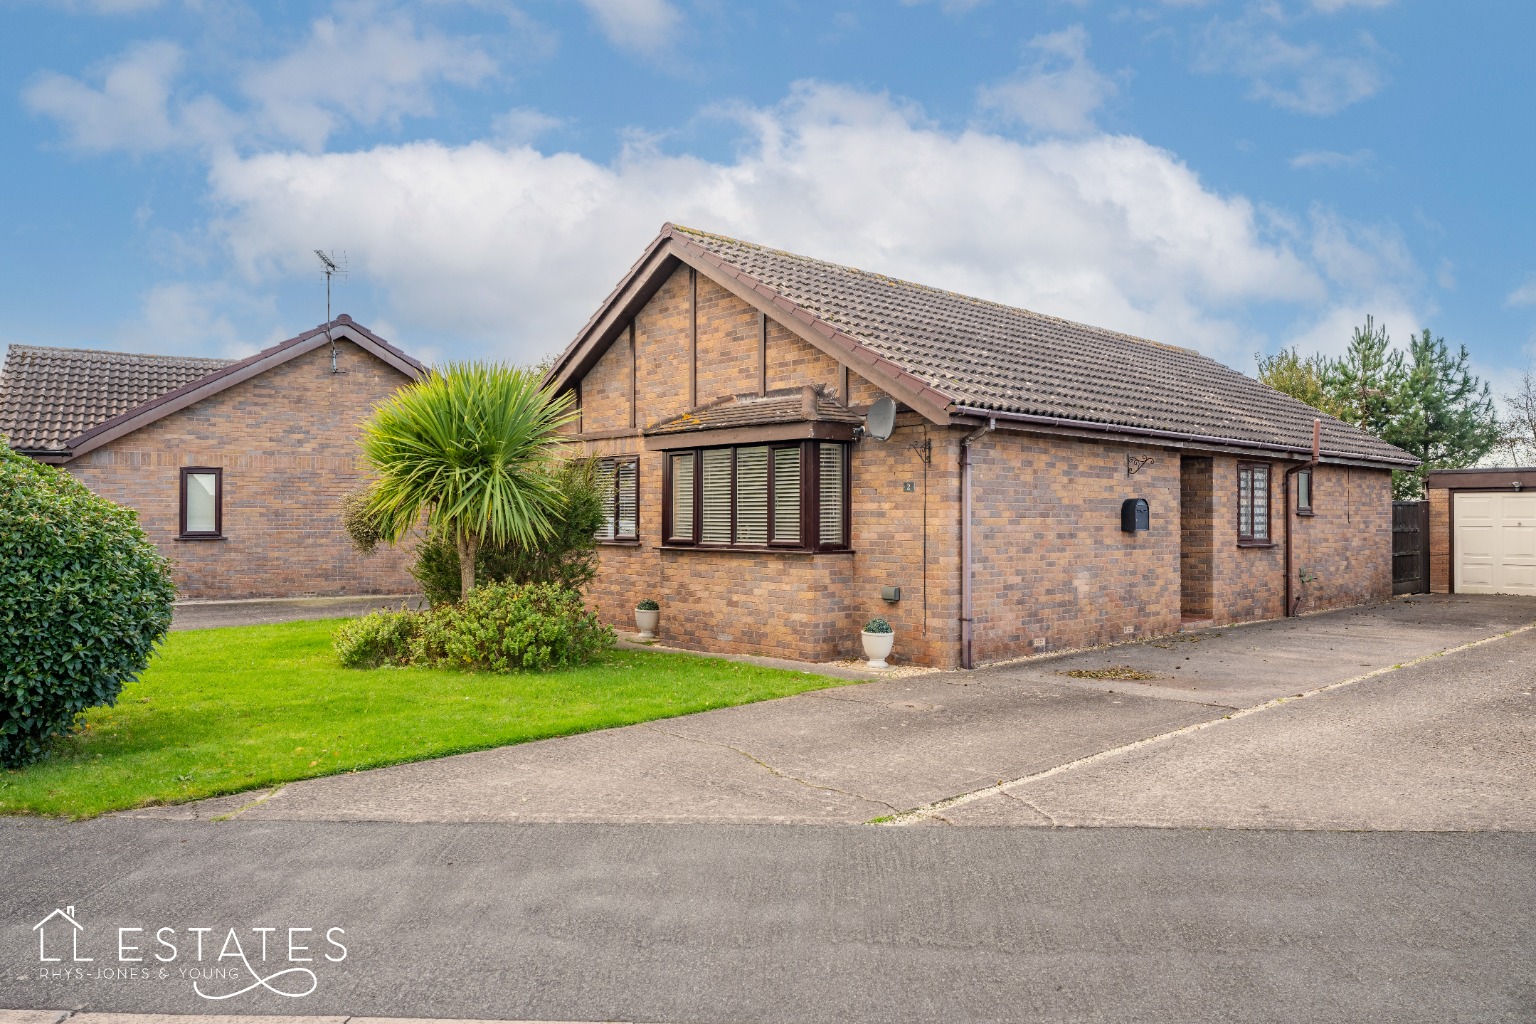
[716,923]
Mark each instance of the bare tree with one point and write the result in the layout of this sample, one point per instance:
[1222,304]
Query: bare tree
[1519,440]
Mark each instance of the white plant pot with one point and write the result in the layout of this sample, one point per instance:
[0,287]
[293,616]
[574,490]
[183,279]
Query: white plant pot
[646,622]
[877,646]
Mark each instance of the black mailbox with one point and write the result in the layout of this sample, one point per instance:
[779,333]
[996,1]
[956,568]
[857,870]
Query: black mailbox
[1134,515]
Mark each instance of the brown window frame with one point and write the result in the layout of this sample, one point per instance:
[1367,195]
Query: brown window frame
[614,461]
[218,504]
[1250,539]
[1307,509]
[810,500]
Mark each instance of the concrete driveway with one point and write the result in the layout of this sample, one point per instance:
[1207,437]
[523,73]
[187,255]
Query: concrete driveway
[1305,723]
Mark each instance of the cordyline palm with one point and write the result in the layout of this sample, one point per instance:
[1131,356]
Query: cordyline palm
[473,447]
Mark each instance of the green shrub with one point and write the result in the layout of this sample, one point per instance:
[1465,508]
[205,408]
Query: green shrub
[567,559]
[378,638]
[84,599]
[647,606]
[877,626]
[503,627]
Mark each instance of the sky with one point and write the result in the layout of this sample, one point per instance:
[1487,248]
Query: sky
[1228,176]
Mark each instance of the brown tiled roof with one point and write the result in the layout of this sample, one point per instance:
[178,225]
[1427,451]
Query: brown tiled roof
[49,395]
[792,405]
[984,355]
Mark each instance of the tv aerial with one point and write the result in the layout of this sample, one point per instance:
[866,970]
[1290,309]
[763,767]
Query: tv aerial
[330,265]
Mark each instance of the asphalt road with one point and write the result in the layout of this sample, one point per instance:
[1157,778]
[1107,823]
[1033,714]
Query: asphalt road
[700,923]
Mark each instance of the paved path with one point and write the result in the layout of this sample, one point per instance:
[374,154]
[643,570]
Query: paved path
[707,924]
[1407,749]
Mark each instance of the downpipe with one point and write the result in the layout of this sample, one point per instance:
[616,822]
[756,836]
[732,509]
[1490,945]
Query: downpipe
[1290,514]
[965,537]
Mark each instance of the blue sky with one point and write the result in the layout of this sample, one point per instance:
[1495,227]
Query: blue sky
[1228,176]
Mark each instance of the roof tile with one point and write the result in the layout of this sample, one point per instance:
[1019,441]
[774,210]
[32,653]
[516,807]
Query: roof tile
[986,355]
[49,395]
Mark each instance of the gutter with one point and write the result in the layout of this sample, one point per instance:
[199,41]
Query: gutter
[1171,435]
[965,538]
[1290,516]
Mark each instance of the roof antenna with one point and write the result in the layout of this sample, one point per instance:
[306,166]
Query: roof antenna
[331,265]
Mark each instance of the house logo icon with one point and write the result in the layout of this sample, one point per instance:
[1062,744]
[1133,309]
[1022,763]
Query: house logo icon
[57,922]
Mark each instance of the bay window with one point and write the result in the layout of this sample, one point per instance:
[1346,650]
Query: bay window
[780,495]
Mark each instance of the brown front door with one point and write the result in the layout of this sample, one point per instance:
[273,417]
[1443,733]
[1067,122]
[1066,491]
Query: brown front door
[1197,535]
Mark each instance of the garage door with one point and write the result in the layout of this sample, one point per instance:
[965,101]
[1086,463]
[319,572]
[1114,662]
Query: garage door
[1495,543]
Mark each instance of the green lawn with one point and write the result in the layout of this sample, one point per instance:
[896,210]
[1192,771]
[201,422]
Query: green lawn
[225,710]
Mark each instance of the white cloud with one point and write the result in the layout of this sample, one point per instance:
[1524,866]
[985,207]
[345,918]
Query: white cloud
[1525,295]
[1445,275]
[128,110]
[365,66]
[513,248]
[644,25]
[1059,92]
[522,125]
[1300,77]
[206,317]
[1330,331]
[1328,159]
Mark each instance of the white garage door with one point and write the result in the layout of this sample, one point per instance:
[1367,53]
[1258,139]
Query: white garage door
[1495,543]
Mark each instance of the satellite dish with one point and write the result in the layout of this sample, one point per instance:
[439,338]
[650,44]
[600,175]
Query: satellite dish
[881,419]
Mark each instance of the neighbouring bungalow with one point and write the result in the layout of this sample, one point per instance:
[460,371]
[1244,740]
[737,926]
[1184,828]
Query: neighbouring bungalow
[1048,485]
[236,468]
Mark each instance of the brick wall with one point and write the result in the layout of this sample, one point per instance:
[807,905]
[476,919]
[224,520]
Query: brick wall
[1347,544]
[1439,540]
[1051,567]
[286,440]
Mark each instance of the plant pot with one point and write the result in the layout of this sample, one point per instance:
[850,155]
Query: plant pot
[646,621]
[877,646]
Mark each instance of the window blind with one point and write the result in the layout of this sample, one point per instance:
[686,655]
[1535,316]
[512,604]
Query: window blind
[716,495]
[833,532]
[682,496]
[605,488]
[751,495]
[786,495]
[627,499]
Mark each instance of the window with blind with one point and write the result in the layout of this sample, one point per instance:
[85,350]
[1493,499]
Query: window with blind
[618,480]
[1253,502]
[791,495]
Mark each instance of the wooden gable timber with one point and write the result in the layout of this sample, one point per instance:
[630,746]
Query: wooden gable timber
[657,263]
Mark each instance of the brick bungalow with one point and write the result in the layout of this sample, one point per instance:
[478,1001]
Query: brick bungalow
[724,385]
[235,467]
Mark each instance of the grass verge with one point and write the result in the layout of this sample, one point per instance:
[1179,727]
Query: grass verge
[225,710]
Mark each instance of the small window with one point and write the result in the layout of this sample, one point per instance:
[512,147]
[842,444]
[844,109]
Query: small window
[1304,492]
[619,481]
[758,496]
[1253,502]
[202,503]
